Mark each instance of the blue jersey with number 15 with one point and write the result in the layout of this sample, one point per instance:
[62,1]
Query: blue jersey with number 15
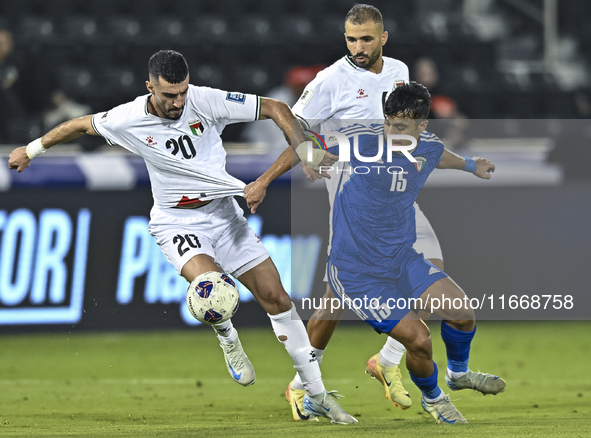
[373,211]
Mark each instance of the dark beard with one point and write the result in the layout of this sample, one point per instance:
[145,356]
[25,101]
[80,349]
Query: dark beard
[371,60]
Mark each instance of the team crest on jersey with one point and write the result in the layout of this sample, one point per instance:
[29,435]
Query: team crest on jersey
[236,97]
[306,96]
[420,163]
[196,127]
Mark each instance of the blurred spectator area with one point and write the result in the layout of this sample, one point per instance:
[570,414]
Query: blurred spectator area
[490,53]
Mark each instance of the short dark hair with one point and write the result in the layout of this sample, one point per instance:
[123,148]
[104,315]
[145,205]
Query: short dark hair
[361,13]
[169,65]
[411,101]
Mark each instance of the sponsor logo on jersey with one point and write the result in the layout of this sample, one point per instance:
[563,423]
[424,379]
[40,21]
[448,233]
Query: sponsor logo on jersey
[236,97]
[197,127]
[150,141]
[433,270]
[306,96]
[420,163]
[104,117]
[332,141]
[361,93]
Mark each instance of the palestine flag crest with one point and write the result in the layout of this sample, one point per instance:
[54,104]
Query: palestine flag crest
[196,127]
[420,163]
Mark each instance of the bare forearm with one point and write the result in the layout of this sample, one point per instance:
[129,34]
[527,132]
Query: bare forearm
[280,113]
[481,167]
[450,160]
[68,131]
[285,162]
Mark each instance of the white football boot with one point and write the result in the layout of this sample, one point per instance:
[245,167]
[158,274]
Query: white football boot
[239,367]
[325,405]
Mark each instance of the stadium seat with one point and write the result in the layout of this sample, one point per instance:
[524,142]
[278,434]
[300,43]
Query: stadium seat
[76,30]
[209,28]
[297,29]
[119,79]
[163,31]
[208,75]
[119,29]
[79,82]
[249,79]
[33,29]
[253,28]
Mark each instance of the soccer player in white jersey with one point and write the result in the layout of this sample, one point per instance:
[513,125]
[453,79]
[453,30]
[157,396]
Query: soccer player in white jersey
[195,219]
[352,90]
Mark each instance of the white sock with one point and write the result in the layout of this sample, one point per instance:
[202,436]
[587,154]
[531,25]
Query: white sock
[225,331]
[290,331]
[297,382]
[454,375]
[433,400]
[391,353]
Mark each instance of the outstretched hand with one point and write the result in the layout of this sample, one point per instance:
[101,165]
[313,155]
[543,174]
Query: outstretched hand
[18,159]
[484,168]
[254,193]
[326,162]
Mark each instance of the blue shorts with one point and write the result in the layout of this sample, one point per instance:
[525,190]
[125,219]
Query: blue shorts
[382,297]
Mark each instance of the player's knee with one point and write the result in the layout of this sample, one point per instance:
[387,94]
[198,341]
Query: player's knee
[420,345]
[464,325]
[328,313]
[464,317]
[276,298]
[329,294]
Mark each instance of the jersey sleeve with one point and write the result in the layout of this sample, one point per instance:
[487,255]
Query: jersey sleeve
[435,148]
[405,71]
[109,125]
[232,107]
[315,102]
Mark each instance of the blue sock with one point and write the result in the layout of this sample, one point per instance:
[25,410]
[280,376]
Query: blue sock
[428,385]
[457,344]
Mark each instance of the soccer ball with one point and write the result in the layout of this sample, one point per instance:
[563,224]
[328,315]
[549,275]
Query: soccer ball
[213,297]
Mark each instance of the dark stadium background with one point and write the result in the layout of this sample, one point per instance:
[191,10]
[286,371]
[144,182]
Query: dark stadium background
[504,62]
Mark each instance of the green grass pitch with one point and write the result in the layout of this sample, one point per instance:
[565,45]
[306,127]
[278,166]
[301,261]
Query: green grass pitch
[174,384]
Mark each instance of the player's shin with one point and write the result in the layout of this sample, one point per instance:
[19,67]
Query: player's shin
[428,385]
[290,331]
[457,344]
[297,381]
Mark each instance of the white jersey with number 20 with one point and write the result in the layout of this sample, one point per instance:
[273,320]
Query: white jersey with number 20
[185,157]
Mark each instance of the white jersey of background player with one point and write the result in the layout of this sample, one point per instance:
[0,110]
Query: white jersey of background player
[344,94]
[195,219]
[352,90]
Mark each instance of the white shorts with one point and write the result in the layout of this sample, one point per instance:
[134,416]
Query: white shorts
[217,229]
[427,243]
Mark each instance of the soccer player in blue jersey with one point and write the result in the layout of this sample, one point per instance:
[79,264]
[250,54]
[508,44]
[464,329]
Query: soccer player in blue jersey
[372,265]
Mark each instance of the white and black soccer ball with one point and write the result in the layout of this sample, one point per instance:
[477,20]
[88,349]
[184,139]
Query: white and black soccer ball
[213,297]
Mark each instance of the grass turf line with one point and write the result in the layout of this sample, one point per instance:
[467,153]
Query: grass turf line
[174,384]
